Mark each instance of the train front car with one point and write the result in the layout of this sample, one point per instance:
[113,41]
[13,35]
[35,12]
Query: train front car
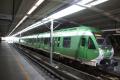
[106,52]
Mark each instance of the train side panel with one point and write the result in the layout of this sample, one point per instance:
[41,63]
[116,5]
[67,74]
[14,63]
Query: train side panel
[67,46]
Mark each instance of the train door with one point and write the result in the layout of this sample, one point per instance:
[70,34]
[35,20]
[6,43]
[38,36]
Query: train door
[91,51]
[83,48]
[56,43]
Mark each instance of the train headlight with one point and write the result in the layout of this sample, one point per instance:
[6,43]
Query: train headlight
[101,55]
[112,53]
[101,52]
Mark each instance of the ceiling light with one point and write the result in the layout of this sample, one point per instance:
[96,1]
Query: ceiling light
[39,2]
[19,23]
[95,3]
[116,34]
[111,30]
[35,6]
[31,10]
[31,27]
[84,2]
[67,11]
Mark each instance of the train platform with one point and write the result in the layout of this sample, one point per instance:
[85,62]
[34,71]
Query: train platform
[14,66]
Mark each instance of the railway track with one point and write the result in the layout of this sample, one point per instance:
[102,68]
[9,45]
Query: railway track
[56,75]
[83,72]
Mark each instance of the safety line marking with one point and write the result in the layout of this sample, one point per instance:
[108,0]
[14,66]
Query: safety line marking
[26,76]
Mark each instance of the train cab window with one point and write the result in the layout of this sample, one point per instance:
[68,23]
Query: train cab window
[91,44]
[66,42]
[83,40]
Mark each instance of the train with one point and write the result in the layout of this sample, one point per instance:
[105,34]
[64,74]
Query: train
[85,44]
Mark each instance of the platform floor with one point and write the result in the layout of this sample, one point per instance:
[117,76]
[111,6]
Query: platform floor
[13,66]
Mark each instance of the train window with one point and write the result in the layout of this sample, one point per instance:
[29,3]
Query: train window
[39,39]
[46,40]
[91,44]
[83,40]
[58,42]
[42,39]
[66,42]
[58,38]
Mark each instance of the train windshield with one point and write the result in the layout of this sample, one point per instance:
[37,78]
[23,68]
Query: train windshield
[101,40]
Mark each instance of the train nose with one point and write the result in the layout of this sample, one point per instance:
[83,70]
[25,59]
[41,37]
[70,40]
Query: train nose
[107,51]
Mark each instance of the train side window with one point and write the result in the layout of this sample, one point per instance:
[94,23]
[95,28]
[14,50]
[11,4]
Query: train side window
[39,39]
[46,40]
[91,44]
[42,39]
[58,42]
[83,40]
[66,42]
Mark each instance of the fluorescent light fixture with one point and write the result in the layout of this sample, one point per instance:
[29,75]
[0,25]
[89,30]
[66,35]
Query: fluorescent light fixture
[31,27]
[31,10]
[84,2]
[75,8]
[111,30]
[116,34]
[22,20]
[19,23]
[39,2]
[35,6]
[117,31]
[67,11]
[95,3]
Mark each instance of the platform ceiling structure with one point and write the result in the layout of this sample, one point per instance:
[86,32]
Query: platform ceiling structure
[105,16]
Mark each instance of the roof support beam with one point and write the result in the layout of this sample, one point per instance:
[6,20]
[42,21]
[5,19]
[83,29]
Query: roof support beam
[5,16]
[107,14]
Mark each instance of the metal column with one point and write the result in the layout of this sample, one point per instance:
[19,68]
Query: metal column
[51,42]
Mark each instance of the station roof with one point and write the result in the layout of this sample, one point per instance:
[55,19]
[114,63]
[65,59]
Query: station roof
[104,16]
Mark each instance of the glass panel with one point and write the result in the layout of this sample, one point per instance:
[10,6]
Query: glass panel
[100,40]
[66,42]
[46,40]
[83,42]
[91,44]
[58,42]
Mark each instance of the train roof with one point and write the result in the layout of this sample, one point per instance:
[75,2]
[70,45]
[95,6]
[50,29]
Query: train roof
[81,30]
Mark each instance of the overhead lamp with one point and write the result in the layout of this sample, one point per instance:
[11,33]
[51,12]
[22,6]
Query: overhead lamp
[67,11]
[117,31]
[116,34]
[19,23]
[32,9]
[96,2]
[31,27]
[84,2]
[75,8]
[111,29]
[35,6]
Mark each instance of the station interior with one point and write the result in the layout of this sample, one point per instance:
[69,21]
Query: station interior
[28,20]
